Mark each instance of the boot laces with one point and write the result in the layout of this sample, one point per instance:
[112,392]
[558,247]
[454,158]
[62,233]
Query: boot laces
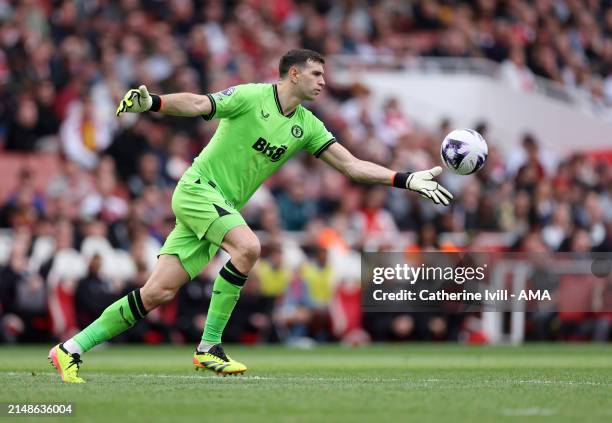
[217,351]
[76,361]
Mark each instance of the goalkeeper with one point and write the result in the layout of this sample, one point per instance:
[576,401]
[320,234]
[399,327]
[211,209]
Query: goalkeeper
[262,126]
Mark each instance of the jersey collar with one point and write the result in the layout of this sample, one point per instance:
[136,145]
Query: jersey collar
[278,105]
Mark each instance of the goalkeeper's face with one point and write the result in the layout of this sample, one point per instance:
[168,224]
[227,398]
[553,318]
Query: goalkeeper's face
[309,80]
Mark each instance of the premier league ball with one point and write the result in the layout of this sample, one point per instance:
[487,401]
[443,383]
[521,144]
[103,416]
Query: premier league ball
[464,151]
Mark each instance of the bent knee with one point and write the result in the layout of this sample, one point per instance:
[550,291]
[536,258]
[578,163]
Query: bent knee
[156,296]
[250,250]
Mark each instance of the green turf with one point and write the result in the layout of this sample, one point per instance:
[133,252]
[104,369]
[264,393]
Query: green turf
[383,383]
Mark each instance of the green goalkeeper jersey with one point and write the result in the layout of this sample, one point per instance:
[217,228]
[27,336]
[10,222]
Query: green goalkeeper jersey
[254,139]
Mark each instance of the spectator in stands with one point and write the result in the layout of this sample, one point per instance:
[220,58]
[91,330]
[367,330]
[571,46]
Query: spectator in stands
[23,131]
[294,314]
[129,143]
[396,122]
[578,242]
[65,240]
[273,276]
[373,221]
[108,200]
[515,72]
[24,205]
[466,212]
[93,294]
[317,274]
[544,63]
[85,132]
[390,326]
[149,174]
[295,208]
[594,219]
[559,228]
[25,293]
[179,157]
[67,189]
[48,121]
[543,202]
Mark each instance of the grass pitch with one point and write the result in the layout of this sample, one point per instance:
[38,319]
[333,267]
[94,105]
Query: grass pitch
[408,382]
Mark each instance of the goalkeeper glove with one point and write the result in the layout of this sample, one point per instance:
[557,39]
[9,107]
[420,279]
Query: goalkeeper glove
[423,183]
[138,101]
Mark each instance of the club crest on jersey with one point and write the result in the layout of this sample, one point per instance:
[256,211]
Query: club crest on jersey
[225,93]
[297,131]
[229,91]
[273,152]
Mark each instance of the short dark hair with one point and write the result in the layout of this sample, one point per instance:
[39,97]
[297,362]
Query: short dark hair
[297,57]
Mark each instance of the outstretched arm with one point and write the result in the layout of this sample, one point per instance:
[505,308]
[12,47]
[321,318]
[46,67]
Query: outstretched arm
[185,104]
[179,104]
[370,173]
[357,170]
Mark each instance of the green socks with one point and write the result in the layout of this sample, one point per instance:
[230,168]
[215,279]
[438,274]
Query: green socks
[127,311]
[226,291]
[117,318]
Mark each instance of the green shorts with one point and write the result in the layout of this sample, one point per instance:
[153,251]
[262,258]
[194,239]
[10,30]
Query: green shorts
[203,217]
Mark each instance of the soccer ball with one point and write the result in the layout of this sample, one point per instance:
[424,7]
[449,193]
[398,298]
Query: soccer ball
[464,151]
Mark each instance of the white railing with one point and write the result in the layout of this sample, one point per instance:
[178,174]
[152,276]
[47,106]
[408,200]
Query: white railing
[518,272]
[455,65]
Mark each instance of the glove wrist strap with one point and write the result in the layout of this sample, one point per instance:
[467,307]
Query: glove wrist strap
[400,179]
[157,103]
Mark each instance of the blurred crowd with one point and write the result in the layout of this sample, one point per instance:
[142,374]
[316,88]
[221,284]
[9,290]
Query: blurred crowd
[91,231]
